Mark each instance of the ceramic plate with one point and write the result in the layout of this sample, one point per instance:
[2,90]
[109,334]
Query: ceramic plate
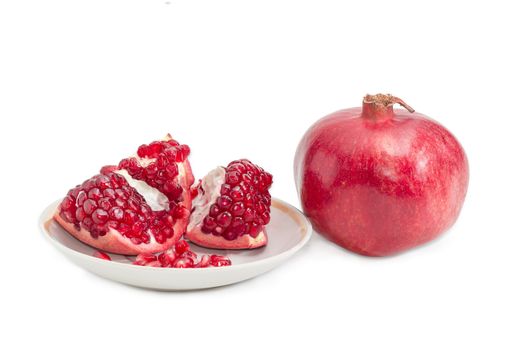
[288,231]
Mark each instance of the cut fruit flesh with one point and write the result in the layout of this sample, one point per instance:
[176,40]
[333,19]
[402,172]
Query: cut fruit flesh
[231,208]
[217,242]
[125,213]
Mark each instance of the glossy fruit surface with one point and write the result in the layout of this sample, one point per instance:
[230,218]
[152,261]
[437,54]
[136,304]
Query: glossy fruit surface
[140,206]
[231,208]
[180,256]
[378,181]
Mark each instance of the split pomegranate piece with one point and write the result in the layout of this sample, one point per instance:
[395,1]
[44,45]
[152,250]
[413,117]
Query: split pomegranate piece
[141,205]
[180,256]
[231,207]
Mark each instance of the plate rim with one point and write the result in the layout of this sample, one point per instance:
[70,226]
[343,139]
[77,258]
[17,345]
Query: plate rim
[46,215]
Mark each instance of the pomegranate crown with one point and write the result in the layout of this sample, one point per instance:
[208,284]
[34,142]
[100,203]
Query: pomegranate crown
[385,101]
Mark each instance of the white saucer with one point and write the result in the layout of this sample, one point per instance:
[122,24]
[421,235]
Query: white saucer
[288,231]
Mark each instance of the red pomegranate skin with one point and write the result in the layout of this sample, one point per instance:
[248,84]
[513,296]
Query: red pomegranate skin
[377,181]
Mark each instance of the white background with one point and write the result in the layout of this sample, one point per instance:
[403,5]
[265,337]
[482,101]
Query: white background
[82,83]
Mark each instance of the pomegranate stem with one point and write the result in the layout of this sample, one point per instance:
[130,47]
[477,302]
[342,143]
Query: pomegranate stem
[380,106]
[403,104]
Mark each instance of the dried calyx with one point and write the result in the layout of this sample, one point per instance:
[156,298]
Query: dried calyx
[379,107]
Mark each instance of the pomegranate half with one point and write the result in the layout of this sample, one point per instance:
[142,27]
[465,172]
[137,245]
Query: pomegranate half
[231,207]
[141,205]
[378,181]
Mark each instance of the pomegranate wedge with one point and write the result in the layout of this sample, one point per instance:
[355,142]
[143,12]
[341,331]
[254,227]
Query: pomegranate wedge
[232,207]
[140,206]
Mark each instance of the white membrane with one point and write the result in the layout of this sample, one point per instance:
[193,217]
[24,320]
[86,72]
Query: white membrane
[153,197]
[211,185]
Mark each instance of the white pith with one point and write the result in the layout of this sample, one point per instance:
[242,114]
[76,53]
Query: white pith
[210,185]
[144,162]
[153,197]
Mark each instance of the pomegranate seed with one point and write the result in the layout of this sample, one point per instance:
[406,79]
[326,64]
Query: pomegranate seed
[249,201]
[183,263]
[225,189]
[179,211]
[265,217]
[224,219]
[218,260]
[238,225]
[160,237]
[237,209]
[102,182]
[167,258]
[68,216]
[255,229]
[236,194]
[229,235]
[116,213]
[214,210]
[189,254]
[260,207]
[67,203]
[246,177]
[224,202]
[142,151]
[168,232]
[101,255]
[180,257]
[249,215]
[204,262]
[181,247]
[94,193]
[80,199]
[129,216]
[89,206]
[209,224]
[99,216]
[87,223]
[112,224]
[232,178]
[104,203]
[80,214]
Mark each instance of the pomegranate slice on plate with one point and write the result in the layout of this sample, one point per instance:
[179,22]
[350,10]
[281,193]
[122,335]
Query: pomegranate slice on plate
[231,207]
[140,206]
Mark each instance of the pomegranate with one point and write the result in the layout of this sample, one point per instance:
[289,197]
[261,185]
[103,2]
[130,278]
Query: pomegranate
[378,181]
[141,205]
[231,207]
[180,256]
[101,255]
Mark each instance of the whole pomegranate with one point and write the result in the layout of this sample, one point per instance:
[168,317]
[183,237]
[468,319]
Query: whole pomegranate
[141,205]
[378,181]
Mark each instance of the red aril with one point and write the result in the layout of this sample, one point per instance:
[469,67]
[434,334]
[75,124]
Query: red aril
[231,207]
[140,206]
[101,255]
[181,257]
[378,181]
